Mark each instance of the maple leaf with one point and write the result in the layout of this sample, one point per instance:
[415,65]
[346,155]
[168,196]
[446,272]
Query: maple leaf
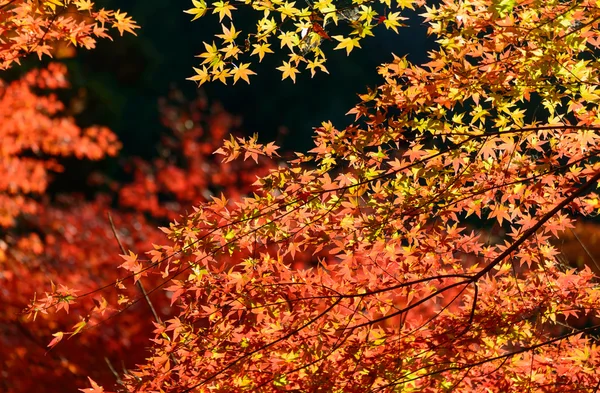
[314,64]
[211,56]
[288,39]
[289,71]
[83,5]
[407,4]
[346,43]
[415,153]
[131,261]
[95,388]
[202,75]
[500,212]
[270,149]
[124,23]
[223,8]
[242,72]
[132,264]
[261,50]
[229,35]
[199,9]
[230,50]
[391,21]
[58,336]
[78,327]
[101,305]
[222,75]
[53,4]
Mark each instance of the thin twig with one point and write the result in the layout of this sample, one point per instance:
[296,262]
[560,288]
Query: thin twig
[587,251]
[112,370]
[139,284]
[139,281]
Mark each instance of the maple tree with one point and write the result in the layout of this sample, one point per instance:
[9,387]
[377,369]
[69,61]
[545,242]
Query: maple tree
[351,268]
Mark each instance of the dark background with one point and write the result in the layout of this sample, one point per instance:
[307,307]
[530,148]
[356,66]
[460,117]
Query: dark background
[125,78]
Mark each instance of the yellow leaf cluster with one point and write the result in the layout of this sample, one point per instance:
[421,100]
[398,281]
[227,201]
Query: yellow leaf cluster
[305,30]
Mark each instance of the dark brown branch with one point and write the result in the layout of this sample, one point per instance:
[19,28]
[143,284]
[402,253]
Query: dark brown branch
[528,233]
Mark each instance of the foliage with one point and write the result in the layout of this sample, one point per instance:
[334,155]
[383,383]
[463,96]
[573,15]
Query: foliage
[498,128]
[39,238]
[68,239]
[299,27]
[351,268]
[35,26]
[35,131]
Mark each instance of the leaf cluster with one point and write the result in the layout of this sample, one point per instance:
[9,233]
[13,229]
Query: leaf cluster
[300,28]
[37,26]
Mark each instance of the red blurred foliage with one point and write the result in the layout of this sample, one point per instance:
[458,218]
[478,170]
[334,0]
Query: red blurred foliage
[69,239]
[34,133]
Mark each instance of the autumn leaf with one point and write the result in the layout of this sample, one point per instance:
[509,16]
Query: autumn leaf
[202,75]
[83,5]
[58,336]
[199,9]
[261,50]
[124,23]
[391,21]
[95,388]
[223,8]
[407,4]
[132,264]
[289,71]
[229,35]
[270,149]
[288,39]
[242,72]
[346,43]
[78,327]
[314,65]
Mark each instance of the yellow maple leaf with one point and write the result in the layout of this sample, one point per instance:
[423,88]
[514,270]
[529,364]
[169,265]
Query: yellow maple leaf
[124,23]
[289,39]
[229,35]
[406,4]
[53,3]
[201,76]
[287,9]
[316,64]
[211,56]
[198,10]
[230,50]
[221,75]
[289,71]
[242,72]
[83,5]
[391,21]
[223,8]
[260,50]
[346,42]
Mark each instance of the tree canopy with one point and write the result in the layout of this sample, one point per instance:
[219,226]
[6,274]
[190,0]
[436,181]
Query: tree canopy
[409,251]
